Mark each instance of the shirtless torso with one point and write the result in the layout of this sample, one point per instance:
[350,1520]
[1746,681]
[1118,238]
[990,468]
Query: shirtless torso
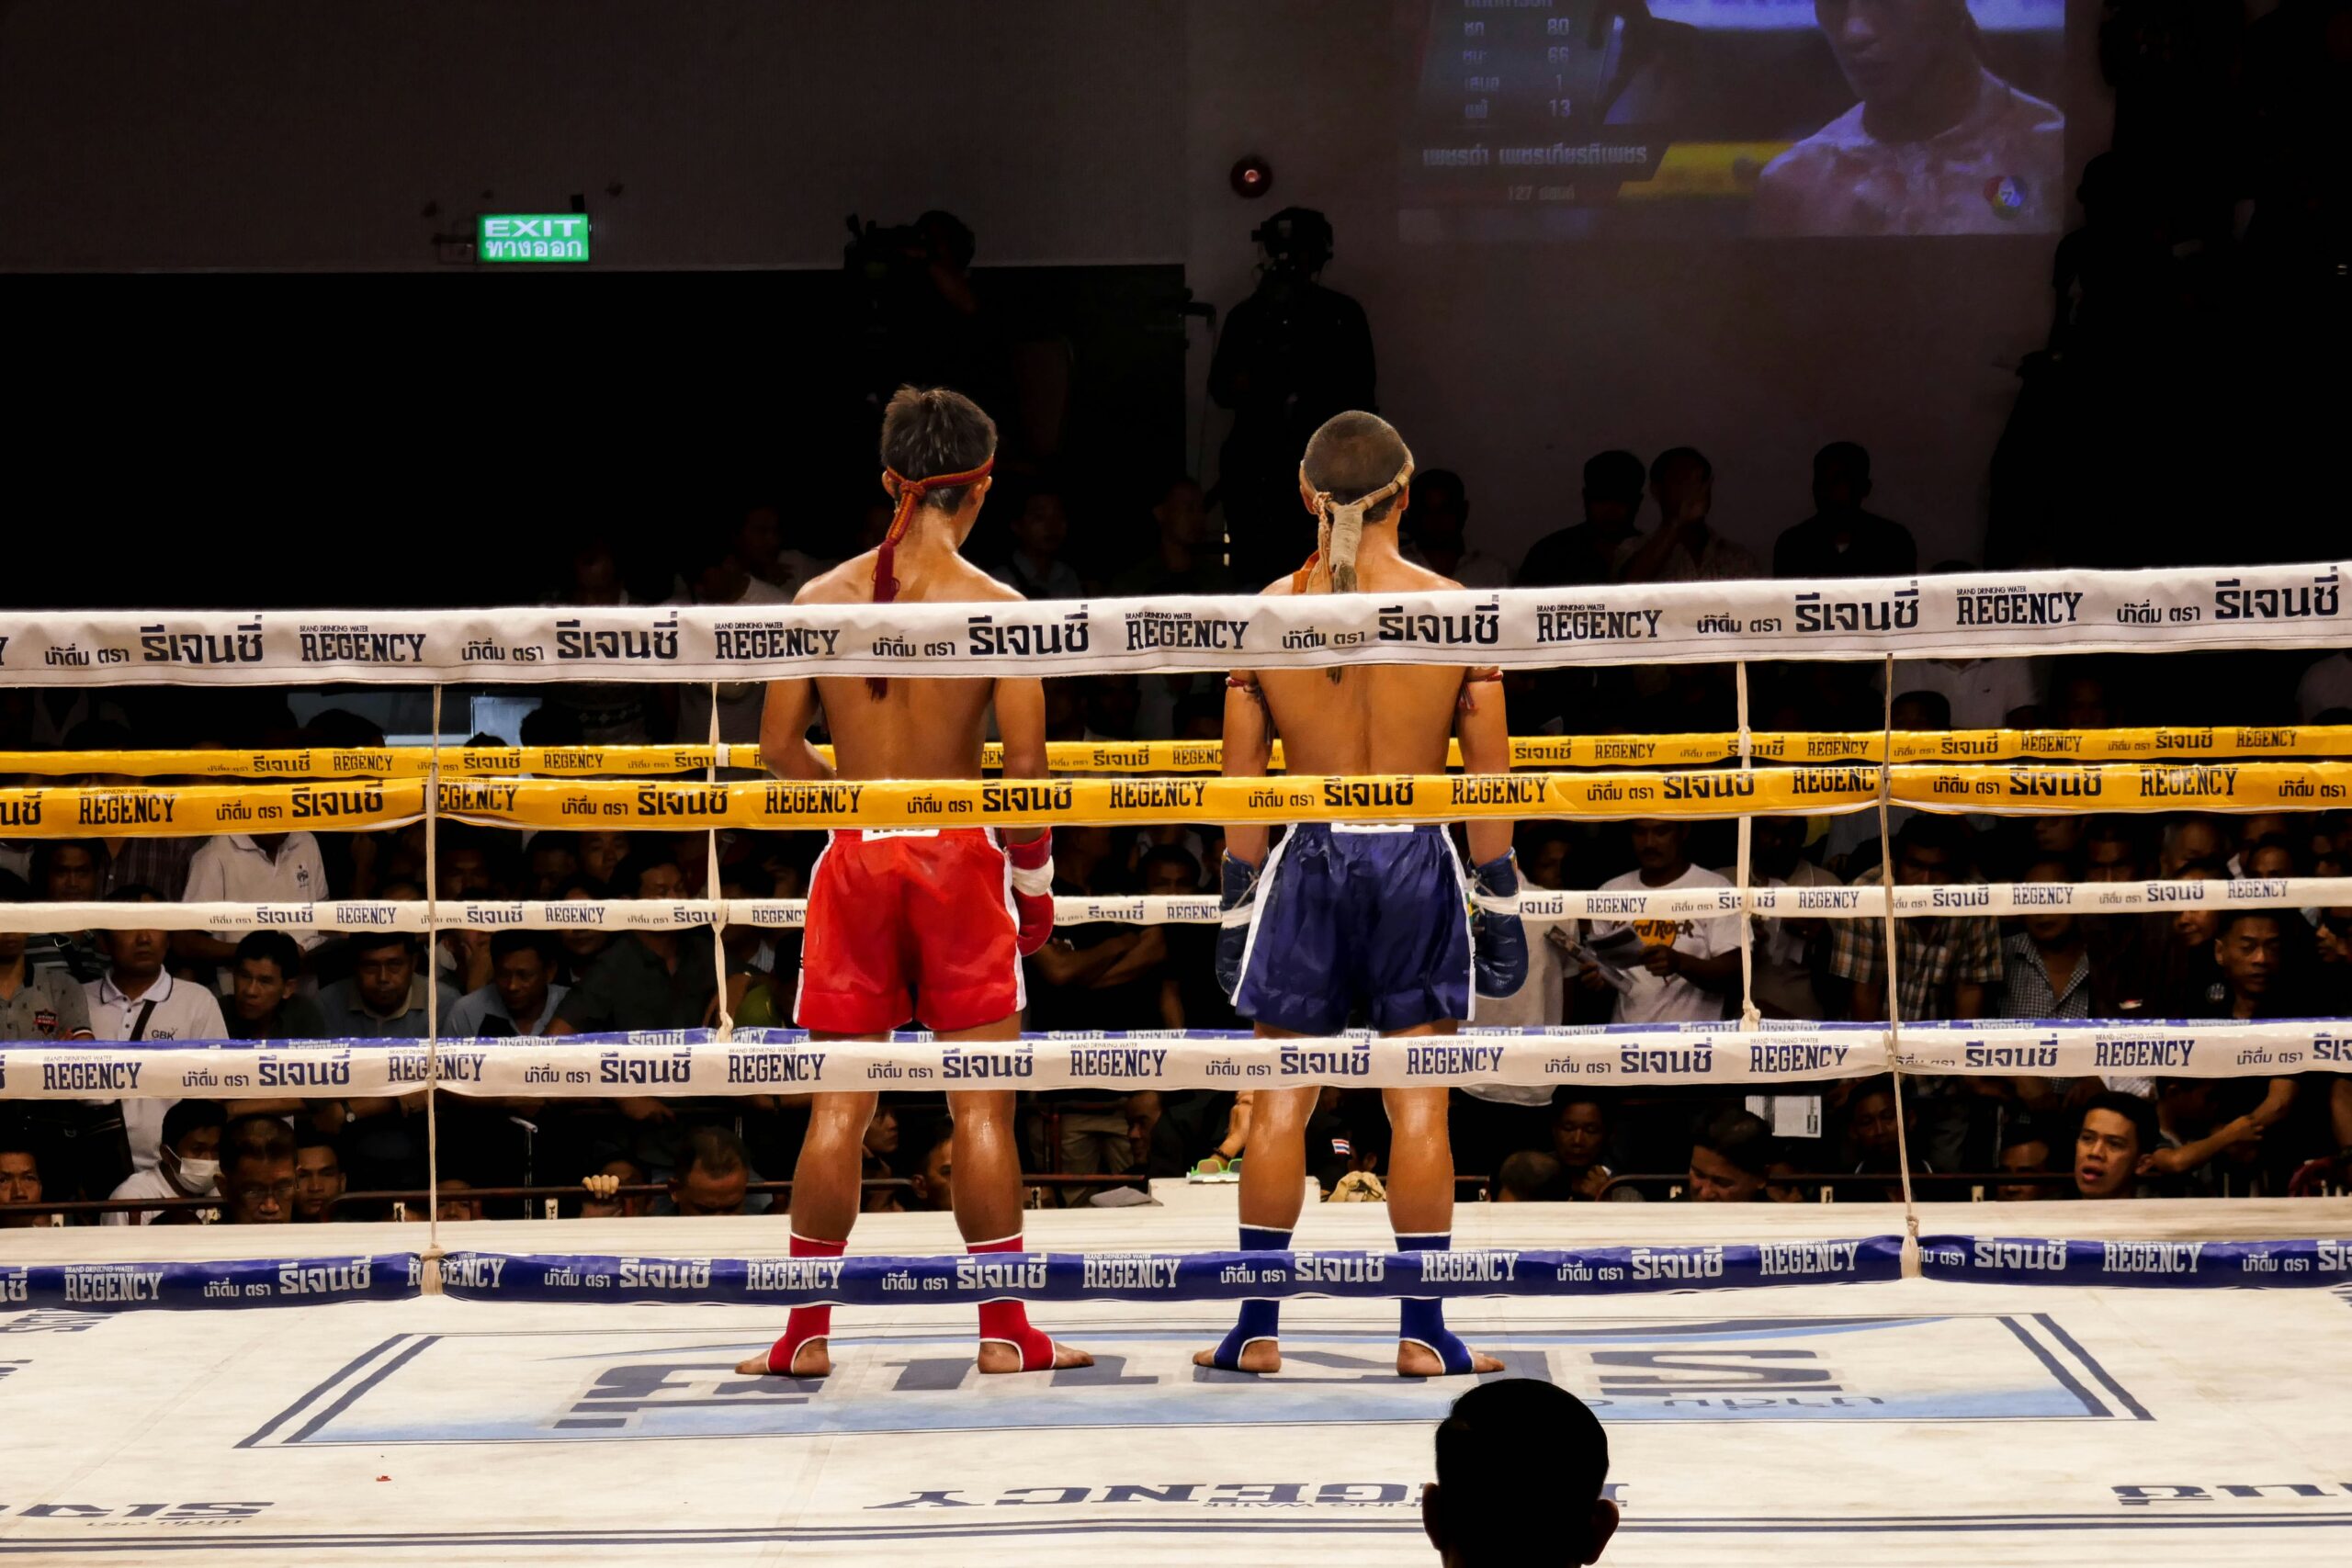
[911,925]
[1366,918]
[930,728]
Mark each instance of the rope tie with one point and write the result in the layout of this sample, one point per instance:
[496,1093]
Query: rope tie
[711,889]
[885,556]
[1340,529]
[429,1273]
[1894,988]
[1339,535]
[1750,1017]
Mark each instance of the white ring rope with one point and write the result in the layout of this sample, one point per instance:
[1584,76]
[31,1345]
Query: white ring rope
[1892,980]
[1536,906]
[1968,616]
[1971,616]
[766,1061]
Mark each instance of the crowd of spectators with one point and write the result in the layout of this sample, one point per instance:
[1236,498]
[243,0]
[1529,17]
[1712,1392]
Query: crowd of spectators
[297,1158]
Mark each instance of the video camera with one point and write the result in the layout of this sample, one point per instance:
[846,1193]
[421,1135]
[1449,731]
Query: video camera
[1297,241]
[898,251]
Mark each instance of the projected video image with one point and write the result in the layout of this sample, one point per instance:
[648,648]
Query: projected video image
[1565,118]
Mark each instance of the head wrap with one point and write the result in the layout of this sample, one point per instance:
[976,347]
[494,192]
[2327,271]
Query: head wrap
[910,494]
[1342,528]
[885,556]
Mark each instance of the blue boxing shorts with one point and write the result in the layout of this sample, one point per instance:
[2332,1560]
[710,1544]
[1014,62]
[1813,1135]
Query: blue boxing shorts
[1358,918]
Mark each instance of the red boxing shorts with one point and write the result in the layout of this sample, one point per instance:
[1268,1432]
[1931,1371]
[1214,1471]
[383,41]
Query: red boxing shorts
[910,923]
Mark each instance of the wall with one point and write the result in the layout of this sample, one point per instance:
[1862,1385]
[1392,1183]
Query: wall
[1513,365]
[289,134]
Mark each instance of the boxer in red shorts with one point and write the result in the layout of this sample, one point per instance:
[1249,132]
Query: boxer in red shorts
[922,925]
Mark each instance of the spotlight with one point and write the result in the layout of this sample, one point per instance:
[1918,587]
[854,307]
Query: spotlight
[1252,177]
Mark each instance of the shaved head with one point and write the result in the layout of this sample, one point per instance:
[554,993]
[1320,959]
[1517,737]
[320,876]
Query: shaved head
[1354,455]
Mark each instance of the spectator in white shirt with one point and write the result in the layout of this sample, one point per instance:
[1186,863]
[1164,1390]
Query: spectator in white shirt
[188,1165]
[136,1001]
[1983,693]
[1689,963]
[251,868]
[1541,1002]
[1499,1119]
[519,998]
[716,575]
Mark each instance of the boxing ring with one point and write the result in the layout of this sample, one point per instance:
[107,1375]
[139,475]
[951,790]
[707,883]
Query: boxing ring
[1782,1383]
[1913,1420]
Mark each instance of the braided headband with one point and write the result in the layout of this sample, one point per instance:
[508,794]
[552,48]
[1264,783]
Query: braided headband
[1342,528]
[886,556]
[910,494]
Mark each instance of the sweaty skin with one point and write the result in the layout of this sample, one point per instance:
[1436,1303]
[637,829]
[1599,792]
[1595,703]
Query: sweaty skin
[1376,718]
[921,729]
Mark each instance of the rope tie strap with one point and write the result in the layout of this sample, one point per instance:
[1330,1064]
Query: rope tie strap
[429,1269]
[711,889]
[1750,1016]
[1340,533]
[885,556]
[769,1060]
[1911,1258]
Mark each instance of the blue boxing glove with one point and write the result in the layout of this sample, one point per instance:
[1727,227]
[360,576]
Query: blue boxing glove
[1497,938]
[1236,904]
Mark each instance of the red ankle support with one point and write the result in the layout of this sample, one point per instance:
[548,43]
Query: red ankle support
[1009,1321]
[804,1322]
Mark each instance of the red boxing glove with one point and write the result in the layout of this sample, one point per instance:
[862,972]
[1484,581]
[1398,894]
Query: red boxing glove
[1033,889]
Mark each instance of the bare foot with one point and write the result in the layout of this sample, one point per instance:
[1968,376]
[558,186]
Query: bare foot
[996,1355]
[1418,1360]
[1258,1356]
[811,1360]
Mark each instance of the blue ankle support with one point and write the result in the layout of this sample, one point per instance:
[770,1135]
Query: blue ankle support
[1422,1320]
[1259,1319]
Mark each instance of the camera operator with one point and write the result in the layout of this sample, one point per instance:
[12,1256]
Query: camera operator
[1293,354]
[921,319]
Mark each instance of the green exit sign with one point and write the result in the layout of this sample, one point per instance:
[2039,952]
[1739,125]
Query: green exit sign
[532,237]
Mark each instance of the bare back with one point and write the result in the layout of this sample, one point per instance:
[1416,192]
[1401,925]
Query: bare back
[922,726]
[1376,718]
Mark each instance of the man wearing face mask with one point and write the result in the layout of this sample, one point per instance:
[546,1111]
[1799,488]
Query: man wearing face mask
[187,1165]
[138,1001]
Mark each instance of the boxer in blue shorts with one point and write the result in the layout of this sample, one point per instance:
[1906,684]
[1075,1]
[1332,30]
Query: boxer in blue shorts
[1357,920]
[1370,920]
